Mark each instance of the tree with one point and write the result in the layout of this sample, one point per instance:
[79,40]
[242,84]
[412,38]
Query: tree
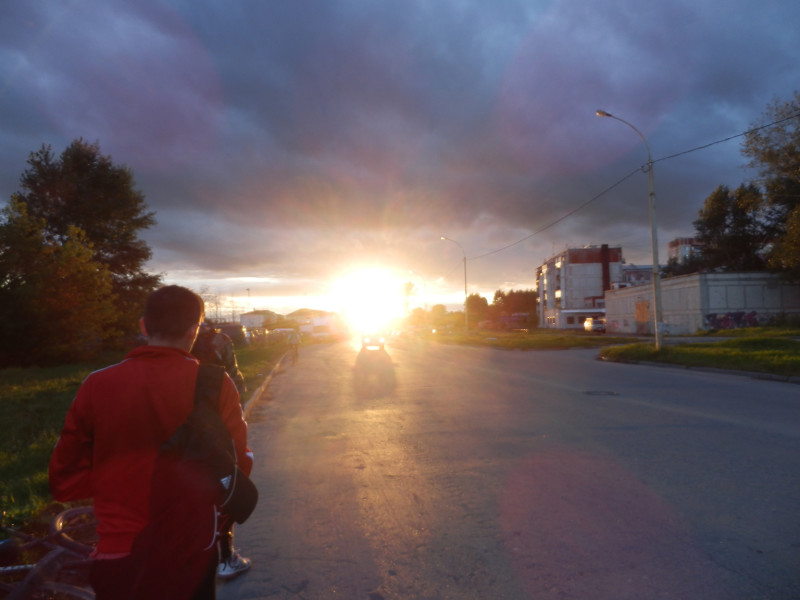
[438,315]
[734,229]
[477,308]
[775,150]
[691,264]
[418,317]
[785,254]
[56,302]
[521,301]
[84,189]
[499,301]
[515,301]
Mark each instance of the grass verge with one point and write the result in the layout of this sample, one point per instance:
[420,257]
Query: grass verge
[33,404]
[771,355]
[537,339]
[769,350]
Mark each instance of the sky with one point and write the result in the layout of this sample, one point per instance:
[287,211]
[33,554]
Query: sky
[285,145]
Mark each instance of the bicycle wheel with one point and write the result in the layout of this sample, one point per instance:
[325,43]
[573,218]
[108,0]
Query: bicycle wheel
[63,591]
[54,577]
[76,529]
[58,591]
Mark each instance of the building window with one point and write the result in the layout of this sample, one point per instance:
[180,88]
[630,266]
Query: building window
[570,320]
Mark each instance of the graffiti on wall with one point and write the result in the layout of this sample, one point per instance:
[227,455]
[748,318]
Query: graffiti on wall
[731,320]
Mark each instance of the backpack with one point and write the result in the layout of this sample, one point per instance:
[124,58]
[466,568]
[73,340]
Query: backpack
[203,445]
[196,486]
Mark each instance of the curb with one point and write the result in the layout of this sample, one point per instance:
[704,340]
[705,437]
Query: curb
[261,388]
[752,374]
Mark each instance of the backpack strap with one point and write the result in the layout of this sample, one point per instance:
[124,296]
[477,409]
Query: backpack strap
[209,385]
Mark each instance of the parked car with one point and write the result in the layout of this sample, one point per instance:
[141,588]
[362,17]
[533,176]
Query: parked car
[235,331]
[280,334]
[595,325]
[321,333]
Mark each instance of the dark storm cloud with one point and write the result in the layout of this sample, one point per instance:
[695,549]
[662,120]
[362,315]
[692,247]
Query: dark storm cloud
[298,135]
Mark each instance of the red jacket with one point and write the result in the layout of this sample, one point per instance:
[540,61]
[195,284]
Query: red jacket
[120,417]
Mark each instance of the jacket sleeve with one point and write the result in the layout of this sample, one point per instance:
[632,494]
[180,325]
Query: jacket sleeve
[71,461]
[231,413]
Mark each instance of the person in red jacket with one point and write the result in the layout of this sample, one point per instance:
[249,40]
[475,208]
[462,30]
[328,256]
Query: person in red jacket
[119,418]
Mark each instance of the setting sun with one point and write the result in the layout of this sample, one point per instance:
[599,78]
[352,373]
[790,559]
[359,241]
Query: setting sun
[368,299]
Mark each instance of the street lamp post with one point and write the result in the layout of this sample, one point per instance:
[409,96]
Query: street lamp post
[657,315]
[466,316]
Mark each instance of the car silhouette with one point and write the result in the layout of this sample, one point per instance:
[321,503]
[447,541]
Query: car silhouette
[373,339]
[595,325]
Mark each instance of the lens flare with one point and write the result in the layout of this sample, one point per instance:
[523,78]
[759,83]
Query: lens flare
[369,299]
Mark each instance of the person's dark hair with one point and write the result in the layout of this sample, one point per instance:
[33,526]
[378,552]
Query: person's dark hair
[171,310]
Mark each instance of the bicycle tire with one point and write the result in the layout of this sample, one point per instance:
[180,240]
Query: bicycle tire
[60,591]
[76,529]
[39,583]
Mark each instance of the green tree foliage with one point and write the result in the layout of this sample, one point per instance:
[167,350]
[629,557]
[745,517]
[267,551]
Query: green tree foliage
[438,315]
[692,264]
[504,305]
[785,255]
[56,302]
[775,151]
[477,309]
[515,301]
[84,189]
[734,229]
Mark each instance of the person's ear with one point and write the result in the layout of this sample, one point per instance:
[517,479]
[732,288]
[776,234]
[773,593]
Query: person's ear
[191,333]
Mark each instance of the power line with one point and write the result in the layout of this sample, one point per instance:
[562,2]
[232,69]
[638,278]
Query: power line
[628,176]
[727,139]
[561,218]
[456,266]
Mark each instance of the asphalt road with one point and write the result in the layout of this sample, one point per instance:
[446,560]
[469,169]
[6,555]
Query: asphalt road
[442,472]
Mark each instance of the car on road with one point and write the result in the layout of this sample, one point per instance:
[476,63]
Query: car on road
[595,325]
[373,339]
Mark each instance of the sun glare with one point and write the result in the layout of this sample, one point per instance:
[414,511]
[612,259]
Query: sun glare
[368,299]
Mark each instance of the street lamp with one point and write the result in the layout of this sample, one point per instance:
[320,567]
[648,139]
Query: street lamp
[466,316]
[657,316]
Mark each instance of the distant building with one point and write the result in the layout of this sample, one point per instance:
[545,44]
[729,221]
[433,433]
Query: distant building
[635,275]
[571,285]
[682,248]
[257,319]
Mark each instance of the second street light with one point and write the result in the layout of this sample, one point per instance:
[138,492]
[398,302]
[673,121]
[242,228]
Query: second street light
[657,316]
[466,316]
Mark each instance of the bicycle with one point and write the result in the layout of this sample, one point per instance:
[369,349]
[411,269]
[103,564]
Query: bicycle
[54,566]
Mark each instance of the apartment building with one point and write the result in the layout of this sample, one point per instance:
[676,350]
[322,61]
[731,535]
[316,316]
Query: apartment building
[571,285]
[683,248]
